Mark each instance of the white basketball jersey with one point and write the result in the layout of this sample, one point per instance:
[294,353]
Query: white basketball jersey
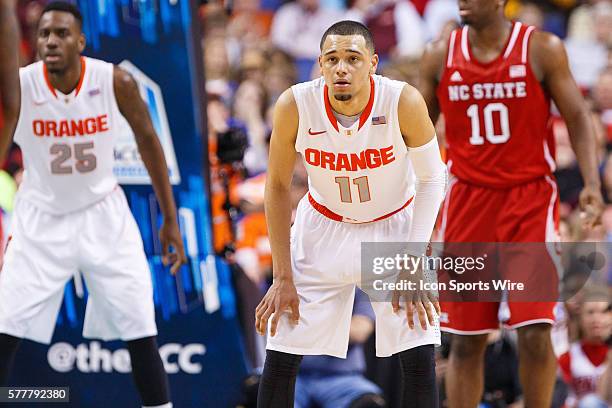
[67,140]
[585,375]
[360,173]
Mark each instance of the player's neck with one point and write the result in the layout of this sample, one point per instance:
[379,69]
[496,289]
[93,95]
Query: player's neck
[353,106]
[67,80]
[490,36]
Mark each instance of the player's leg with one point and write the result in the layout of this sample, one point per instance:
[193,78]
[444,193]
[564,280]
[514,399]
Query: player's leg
[8,348]
[39,260]
[537,364]
[277,384]
[148,372]
[465,374]
[419,377]
[120,305]
[323,277]
[468,217]
[532,259]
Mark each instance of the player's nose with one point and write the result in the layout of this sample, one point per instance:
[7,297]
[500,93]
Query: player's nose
[341,70]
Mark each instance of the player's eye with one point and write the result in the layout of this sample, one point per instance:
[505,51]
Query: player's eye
[43,33]
[354,59]
[332,59]
[62,33]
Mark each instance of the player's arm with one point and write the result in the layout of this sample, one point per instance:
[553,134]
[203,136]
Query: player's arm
[9,74]
[550,59]
[430,69]
[419,135]
[282,295]
[135,111]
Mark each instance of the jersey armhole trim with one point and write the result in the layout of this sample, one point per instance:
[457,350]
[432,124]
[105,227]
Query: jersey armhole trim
[295,91]
[525,45]
[450,49]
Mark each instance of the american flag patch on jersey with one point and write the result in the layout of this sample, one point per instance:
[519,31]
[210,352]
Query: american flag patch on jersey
[379,120]
[518,71]
[94,92]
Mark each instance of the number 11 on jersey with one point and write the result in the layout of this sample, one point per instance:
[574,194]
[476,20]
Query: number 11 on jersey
[363,188]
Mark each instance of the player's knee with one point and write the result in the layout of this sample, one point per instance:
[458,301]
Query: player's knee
[535,342]
[418,362]
[369,401]
[279,364]
[468,347]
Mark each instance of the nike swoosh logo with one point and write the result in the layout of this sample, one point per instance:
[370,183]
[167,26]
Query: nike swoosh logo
[310,132]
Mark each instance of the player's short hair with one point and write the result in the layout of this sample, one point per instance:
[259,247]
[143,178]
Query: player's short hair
[65,7]
[348,27]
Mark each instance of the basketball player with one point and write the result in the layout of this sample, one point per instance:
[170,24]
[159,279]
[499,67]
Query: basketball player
[493,80]
[70,215]
[359,134]
[9,74]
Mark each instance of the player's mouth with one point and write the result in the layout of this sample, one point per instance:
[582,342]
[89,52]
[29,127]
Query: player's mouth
[341,84]
[51,58]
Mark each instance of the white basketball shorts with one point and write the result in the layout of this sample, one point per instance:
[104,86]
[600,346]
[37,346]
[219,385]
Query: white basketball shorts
[326,262]
[45,251]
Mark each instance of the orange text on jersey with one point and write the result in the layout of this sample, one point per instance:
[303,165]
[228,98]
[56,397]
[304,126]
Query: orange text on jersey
[70,128]
[366,159]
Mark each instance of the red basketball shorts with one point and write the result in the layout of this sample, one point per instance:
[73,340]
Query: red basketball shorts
[517,229]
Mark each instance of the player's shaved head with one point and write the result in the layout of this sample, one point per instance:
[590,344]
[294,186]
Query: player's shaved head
[348,27]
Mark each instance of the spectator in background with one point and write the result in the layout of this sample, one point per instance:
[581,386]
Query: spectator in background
[396,26]
[604,388]
[585,362]
[438,13]
[297,29]
[217,67]
[531,14]
[602,95]
[250,106]
[331,382]
[588,40]
[502,387]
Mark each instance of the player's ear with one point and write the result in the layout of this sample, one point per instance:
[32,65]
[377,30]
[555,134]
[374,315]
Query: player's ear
[373,64]
[321,65]
[82,42]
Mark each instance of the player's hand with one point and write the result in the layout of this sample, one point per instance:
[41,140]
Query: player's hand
[281,297]
[424,302]
[591,206]
[170,236]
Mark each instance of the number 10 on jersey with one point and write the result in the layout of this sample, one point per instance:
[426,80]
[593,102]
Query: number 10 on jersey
[363,188]
[489,126]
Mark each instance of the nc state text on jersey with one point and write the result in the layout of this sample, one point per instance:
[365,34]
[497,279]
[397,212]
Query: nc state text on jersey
[366,159]
[70,128]
[487,91]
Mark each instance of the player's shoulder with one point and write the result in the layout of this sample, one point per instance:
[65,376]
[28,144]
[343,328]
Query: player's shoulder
[95,63]
[546,51]
[35,68]
[312,86]
[385,82]
[546,42]
[435,52]
[410,97]
[546,46]
[286,102]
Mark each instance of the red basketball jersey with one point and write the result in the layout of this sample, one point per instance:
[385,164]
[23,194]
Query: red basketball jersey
[497,115]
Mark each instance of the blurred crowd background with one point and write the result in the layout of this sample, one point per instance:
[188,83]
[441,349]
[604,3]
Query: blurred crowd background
[255,49]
